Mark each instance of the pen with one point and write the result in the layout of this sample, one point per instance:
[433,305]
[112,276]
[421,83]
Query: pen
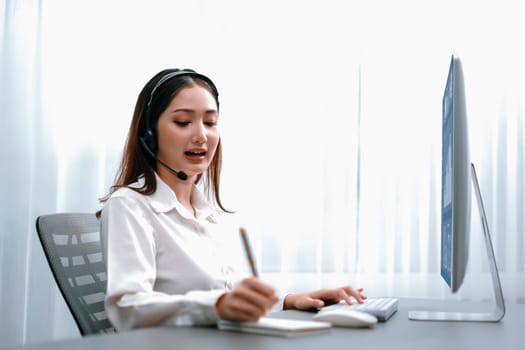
[248,251]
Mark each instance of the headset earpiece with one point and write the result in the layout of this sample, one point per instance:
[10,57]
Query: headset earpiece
[150,141]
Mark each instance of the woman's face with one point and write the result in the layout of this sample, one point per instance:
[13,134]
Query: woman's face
[187,132]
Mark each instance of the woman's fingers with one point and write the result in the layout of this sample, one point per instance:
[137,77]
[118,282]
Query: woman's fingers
[250,294]
[346,294]
[250,300]
[355,293]
[259,287]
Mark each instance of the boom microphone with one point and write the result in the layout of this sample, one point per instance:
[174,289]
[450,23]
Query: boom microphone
[180,174]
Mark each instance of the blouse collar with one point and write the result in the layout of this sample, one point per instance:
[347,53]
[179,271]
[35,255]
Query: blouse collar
[164,200]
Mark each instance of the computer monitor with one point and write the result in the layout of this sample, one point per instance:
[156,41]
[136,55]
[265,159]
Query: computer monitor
[455,180]
[456,173]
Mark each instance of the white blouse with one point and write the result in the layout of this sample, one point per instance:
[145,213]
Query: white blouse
[164,265]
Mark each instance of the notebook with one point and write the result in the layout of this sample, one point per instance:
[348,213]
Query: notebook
[276,326]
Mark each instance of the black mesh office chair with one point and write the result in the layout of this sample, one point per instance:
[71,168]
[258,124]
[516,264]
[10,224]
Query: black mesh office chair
[71,243]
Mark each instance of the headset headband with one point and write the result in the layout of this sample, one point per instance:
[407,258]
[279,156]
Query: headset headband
[167,77]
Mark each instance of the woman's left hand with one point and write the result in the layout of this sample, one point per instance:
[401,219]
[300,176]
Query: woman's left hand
[322,297]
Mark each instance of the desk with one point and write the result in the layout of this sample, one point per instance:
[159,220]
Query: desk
[396,333]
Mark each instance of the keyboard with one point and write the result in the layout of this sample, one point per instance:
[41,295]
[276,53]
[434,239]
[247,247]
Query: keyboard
[382,308]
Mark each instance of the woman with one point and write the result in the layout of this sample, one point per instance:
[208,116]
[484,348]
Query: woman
[167,254]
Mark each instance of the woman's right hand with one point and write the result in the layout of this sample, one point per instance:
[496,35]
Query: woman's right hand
[247,302]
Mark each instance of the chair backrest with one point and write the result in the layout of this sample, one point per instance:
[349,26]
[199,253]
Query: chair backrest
[71,243]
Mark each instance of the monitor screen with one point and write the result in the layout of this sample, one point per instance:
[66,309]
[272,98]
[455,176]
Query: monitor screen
[446,179]
[455,179]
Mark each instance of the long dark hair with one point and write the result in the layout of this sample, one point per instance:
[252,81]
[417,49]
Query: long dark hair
[136,162]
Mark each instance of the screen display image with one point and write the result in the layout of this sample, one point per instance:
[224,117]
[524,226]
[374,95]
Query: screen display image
[446,180]
[455,180]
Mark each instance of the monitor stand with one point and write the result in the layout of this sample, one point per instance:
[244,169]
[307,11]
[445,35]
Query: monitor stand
[499,311]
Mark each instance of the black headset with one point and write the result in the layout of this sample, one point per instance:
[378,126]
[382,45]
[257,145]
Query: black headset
[149,139]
